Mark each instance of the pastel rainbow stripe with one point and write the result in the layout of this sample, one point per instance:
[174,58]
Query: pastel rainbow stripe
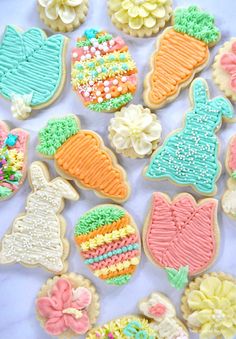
[109,243]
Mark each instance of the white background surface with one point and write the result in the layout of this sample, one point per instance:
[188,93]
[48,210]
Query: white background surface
[19,285]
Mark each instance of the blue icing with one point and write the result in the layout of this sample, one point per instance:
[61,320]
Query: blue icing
[190,156]
[31,63]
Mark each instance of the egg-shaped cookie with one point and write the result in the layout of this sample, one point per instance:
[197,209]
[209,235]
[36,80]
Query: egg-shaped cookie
[109,242]
[104,74]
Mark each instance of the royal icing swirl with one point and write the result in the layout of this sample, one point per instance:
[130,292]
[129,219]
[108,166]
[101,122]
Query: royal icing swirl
[228,63]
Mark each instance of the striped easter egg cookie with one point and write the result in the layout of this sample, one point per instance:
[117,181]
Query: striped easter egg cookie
[109,242]
[103,71]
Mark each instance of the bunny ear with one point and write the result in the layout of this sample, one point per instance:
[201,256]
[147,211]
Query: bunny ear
[200,92]
[3,132]
[23,137]
[65,189]
[224,106]
[39,175]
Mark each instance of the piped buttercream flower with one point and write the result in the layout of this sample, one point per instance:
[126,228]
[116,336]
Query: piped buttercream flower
[64,9]
[135,131]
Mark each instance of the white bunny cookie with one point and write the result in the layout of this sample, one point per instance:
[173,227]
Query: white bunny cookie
[37,237]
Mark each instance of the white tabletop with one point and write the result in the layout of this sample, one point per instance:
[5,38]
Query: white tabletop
[19,285]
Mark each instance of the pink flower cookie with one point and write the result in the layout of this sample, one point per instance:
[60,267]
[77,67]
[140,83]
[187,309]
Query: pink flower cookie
[224,69]
[181,236]
[13,159]
[67,306]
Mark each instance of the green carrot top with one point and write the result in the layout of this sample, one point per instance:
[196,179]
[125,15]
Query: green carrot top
[56,133]
[196,23]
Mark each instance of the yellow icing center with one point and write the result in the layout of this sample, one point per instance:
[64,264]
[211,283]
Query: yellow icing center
[73,311]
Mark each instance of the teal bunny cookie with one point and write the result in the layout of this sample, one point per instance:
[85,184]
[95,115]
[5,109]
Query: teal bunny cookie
[189,156]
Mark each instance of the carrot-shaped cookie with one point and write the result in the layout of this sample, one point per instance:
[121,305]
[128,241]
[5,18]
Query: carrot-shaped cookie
[80,155]
[229,197]
[13,158]
[181,52]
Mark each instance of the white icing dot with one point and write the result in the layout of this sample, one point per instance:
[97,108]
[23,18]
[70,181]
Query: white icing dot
[100,47]
[104,44]
[96,44]
[100,99]
[99,69]
[75,55]
[112,42]
[106,83]
[123,79]
[97,53]
[89,89]
[115,82]
[119,89]
[106,49]
[86,94]
[93,40]
[106,89]
[86,48]
[108,96]
[88,56]
[82,58]
[91,82]
[98,93]
[93,49]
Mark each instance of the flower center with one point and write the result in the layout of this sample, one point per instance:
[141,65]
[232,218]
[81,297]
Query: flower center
[73,311]
[218,315]
[135,131]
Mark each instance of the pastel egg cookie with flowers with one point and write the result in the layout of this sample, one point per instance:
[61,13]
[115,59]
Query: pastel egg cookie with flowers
[63,15]
[109,243]
[67,306]
[13,159]
[104,74]
[157,320]
[209,306]
[140,18]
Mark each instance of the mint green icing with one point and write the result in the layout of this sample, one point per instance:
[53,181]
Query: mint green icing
[110,254]
[5,192]
[233,175]
[56,133]
[196,23]
[98,217]
[190,156]
[120,280]
[178,278]
[112,104]
[31,63]
[87,42]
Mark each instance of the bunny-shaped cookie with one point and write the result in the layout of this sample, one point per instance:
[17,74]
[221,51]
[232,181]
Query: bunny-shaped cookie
[37,237]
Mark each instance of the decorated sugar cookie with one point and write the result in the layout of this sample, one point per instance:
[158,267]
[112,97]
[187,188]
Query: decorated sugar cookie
[67,306]
[81,156]
[182,236]
[229,197]
[13,159]
[158,320]
[104,75]
[109,242]
[224,69]
[181,52]
[140,17]
[37,237]
[189,156]
[63,15]
[134,131]
[32,69]
[209,306]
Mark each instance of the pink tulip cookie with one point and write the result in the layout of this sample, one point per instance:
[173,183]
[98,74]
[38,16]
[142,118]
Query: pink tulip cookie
[224,69]
[13,159]
[181,235]
[67,306]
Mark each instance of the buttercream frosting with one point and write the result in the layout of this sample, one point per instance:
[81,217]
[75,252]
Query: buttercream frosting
[135,130]
[228,63]
[37,237]
[229,202]
[21,108]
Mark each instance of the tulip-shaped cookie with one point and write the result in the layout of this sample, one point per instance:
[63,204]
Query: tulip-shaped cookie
[37,236]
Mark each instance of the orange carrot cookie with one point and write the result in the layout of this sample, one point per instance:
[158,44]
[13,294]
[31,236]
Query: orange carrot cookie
[81,156]
[37,237]
[109,242]
[224,69]
[181,52]
[104,74]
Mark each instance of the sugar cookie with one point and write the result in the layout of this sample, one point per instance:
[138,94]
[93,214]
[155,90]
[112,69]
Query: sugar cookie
[134,131]
[182,235]
[37,237]
[141,18]
[32,69]
[67,306]
[224,69]
[81,156]
[109,241]
[189,156]
[63,16]
[181,52]
[158,320]
[209,306]
[103,71]
[13,159]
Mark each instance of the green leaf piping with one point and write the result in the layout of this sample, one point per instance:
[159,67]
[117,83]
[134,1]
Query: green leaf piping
[178,278]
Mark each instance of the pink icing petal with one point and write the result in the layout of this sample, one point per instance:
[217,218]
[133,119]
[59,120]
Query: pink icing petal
[56,326]
[79,326]
[157,310]
[228,62]
[233,82]
[61,294]
[232,155]
[47,308]
[234,47]
[83,298]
